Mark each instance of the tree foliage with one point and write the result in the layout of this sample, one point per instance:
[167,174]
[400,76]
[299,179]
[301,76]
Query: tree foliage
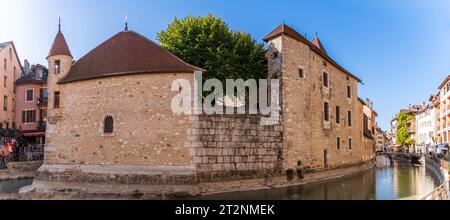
[403,136]
[209,43]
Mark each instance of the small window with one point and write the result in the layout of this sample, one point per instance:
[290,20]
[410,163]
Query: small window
[349,92]
[29,116]
[301,73]
[108,125]
[56,102]
[5,81]
[325,80]
[29,95]
[350,119]
[57,66]
[5,103]
[326,111]
[338,143]
[275,55]
[350,144]
[338,115]
[5,63]
[10,54]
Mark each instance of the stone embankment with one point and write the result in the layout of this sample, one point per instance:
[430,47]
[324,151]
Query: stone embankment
[440,167]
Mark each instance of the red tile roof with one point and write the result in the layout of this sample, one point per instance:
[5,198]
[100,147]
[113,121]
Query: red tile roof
[59,46]
[286,30]
[126,53]
[445,82]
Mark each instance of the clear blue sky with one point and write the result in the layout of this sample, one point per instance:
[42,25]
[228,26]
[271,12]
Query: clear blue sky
[400,48]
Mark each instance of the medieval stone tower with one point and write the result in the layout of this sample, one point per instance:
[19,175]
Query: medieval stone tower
[59,64]
[321,119]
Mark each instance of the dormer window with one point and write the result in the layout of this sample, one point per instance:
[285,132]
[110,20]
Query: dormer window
[39,73]
[57,66]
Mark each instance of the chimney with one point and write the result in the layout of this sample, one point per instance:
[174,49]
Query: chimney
[26,67]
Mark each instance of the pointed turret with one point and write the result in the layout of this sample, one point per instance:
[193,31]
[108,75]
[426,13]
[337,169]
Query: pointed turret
[59,46]
[316,42]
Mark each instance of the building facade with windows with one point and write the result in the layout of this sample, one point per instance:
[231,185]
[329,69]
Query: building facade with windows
[10,71]
[426,128]
[321,113]
[31,102]
[369,124]
[443,119]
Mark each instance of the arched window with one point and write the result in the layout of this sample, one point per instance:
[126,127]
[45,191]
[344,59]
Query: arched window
[108,125]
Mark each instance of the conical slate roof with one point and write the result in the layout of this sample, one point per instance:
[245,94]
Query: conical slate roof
[126,53]
[59,46]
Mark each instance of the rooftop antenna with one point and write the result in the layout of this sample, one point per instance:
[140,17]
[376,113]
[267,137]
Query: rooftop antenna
[126,22]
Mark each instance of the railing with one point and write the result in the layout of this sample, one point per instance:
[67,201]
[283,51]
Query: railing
[41,126]
[441,192]
[28,153]
[42,100]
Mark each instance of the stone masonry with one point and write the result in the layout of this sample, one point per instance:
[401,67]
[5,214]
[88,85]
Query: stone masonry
[226,147]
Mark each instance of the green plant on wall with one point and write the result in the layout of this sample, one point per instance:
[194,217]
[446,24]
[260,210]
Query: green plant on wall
[403,136]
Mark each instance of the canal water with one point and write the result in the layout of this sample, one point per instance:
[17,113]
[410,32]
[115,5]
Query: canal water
[389,181]
[13,186]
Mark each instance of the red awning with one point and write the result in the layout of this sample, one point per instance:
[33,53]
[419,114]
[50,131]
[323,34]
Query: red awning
[36,134]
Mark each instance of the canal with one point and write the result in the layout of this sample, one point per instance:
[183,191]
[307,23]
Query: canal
[389,181]
[13,186]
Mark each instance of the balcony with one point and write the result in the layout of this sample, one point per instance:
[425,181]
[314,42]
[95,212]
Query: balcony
[42,101]
[41,126]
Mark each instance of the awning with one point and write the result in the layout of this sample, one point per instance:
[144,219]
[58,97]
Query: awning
[442,146]
[35,134]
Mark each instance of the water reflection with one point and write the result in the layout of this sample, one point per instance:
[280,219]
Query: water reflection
[394,181]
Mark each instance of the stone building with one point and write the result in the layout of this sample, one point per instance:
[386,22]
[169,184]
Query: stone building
[10,71]
[111,130]
[321,114]
[31,102]
[369,124]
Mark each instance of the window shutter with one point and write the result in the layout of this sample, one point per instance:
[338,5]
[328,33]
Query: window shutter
[23,116]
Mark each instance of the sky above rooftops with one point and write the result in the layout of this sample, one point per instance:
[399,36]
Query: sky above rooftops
[400,48]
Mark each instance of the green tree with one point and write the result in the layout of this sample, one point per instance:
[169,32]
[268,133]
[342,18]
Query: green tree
[403,136]
[208,42]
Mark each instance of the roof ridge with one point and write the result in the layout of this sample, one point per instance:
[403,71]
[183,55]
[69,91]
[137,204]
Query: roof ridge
[170,53]
[126,52]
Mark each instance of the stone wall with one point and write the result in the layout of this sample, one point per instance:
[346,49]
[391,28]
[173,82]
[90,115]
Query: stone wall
[307,137]
[227,147]
[146,132]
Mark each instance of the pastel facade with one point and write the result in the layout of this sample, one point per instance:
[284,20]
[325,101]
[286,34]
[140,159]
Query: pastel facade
[31,102]
[10,71]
